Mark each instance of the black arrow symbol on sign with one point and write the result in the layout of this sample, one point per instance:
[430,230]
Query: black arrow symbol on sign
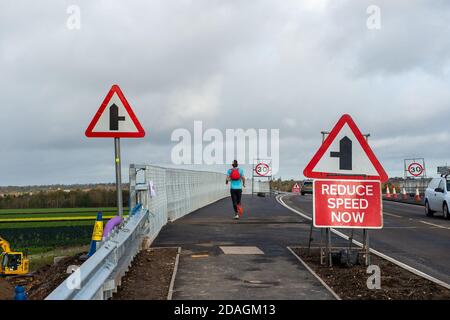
[114,117]
[344,154]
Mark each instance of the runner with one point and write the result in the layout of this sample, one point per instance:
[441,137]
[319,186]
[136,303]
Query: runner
[236,176]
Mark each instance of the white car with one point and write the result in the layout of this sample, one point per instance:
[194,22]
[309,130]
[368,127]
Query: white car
[437,197]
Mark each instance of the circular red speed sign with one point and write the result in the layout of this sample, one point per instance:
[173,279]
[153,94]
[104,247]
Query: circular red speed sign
[415,169]
[262,169]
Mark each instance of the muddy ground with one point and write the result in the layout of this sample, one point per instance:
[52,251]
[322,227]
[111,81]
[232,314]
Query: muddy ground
[150,275]
[42,282]
[350,283]
[6,290]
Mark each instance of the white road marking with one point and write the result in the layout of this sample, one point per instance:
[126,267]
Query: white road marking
[315,274]
[280,200]
[391,214]
[435,225]
[382,255]
[404,203]
[400,227]
[241,250]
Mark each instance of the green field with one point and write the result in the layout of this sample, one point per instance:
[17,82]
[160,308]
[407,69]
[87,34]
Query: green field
[40,234]
[56,210]
[55,213]
[15,225]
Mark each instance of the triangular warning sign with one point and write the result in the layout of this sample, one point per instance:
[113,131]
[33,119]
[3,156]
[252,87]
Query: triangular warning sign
[115,118]
[345,154]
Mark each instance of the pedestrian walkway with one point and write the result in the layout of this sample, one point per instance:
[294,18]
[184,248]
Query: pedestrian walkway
[260,267]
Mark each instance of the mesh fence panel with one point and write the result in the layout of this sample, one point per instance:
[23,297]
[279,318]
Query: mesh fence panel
[179,192]
[157,205]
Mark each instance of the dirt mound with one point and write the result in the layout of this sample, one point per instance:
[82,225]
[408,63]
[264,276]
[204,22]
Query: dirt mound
[351,283]
[46,279]
[149,276]
[6,290]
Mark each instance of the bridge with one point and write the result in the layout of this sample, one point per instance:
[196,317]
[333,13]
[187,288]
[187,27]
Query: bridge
[190,209]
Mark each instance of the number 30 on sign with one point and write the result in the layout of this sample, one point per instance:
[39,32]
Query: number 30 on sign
[262,169]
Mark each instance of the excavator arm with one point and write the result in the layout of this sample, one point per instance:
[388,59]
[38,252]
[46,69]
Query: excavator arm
[5,245]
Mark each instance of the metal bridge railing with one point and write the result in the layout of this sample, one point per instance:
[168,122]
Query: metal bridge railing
[98,277]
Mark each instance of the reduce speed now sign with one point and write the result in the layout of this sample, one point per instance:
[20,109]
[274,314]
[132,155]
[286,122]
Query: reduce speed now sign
[348,176]
[347,204]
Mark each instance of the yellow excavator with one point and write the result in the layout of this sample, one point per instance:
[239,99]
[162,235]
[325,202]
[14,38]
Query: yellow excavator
[12,263]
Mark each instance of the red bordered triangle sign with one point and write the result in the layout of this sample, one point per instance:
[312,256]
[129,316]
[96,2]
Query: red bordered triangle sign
[115,118]
[345,154]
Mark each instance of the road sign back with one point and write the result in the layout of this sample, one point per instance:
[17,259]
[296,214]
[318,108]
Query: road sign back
[115,118]
[345,154]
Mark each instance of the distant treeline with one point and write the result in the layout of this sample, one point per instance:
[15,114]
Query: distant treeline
[55,187]
[283,185]
[61,199]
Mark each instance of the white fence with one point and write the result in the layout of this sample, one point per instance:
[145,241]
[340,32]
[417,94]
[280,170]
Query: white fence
[178,192]
[175,193]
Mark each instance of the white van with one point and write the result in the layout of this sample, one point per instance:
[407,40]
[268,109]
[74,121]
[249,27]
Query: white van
[437,197]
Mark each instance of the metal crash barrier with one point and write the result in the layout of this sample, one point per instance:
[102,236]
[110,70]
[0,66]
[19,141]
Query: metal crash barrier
[98,277]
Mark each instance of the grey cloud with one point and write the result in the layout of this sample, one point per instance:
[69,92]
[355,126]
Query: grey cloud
[232,64]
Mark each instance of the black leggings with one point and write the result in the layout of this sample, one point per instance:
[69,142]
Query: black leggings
[236,195]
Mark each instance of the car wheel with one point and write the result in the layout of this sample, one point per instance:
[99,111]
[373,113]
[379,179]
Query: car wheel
[428,211]
[446,213]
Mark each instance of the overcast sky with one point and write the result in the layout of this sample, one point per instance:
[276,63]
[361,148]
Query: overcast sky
[291,65]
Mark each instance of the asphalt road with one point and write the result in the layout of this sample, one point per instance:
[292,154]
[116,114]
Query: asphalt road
[205,271]
[408,235]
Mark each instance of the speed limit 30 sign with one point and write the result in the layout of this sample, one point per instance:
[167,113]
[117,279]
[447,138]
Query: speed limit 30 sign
[415,169]
[262,169]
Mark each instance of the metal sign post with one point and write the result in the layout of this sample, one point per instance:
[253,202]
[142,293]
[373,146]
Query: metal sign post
[118,176]
[366,231]
[115,119]
[327,230]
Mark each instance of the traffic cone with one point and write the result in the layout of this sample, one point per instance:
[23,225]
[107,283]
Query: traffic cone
[97,234]
[394,193]
[388,192]
[417,196]
[404,195]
